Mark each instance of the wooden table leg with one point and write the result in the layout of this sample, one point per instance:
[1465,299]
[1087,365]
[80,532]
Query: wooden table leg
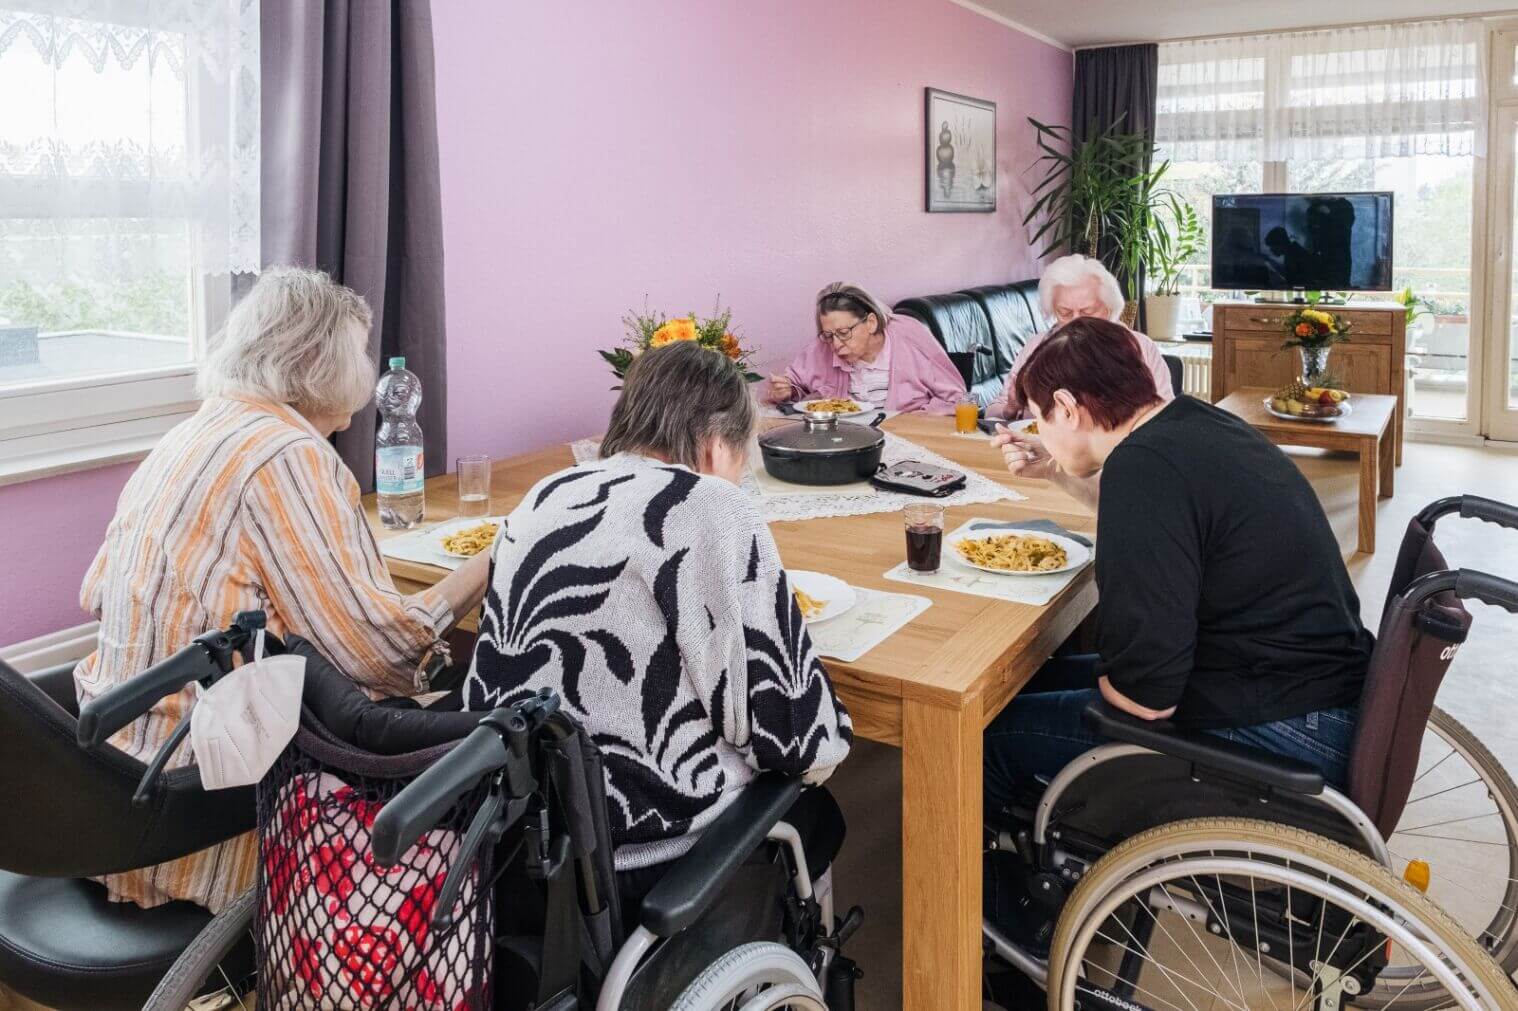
[1370,457]
[941,856]
[1388,465]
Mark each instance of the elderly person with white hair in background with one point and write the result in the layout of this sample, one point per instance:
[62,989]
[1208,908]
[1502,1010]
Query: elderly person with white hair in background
[246,506]
[1072,287]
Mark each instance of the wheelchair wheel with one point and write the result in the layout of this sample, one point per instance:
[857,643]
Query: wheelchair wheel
[1462,820]
[1193,914]
[760,976]
[193,979]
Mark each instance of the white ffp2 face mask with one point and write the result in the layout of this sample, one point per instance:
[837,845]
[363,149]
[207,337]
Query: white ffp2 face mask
[241,723]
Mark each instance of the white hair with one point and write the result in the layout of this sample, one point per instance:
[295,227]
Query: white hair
[1076,269]
[297,338]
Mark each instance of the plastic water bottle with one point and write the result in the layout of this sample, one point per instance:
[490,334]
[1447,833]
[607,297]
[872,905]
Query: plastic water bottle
[398,463]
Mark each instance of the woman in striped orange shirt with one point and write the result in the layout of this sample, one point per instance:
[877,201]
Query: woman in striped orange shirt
[246,505]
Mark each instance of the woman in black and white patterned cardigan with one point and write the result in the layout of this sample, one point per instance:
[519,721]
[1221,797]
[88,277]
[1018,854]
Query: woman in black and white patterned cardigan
[646,589]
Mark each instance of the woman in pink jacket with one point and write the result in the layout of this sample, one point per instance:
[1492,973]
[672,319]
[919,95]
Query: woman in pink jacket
[865,353]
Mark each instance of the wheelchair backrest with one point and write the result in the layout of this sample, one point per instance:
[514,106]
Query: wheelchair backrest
[1417,642]
[69,812]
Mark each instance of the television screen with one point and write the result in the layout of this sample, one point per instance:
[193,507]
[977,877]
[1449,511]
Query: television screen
[1315,241]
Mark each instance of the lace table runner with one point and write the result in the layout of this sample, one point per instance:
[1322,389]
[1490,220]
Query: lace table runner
[852,500]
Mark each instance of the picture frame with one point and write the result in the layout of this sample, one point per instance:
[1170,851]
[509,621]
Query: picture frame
[959,142]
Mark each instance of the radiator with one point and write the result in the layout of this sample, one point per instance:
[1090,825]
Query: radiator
[1196,369]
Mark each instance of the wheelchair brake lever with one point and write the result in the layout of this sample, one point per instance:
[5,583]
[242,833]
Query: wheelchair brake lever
[490,822]
[145,786]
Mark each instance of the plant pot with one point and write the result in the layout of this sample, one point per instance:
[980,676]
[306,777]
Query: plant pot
[1163,316]
[1314,363]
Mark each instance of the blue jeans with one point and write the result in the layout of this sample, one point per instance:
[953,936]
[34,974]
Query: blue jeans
[1041,731]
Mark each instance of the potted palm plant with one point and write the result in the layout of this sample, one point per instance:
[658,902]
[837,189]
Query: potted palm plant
[1096,198]
[1174,236]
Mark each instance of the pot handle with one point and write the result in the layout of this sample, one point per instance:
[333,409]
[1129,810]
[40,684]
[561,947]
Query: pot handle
[878,419]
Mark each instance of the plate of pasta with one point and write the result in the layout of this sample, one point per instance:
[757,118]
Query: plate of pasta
[820,596]
[1017,554]
[465,538]
[844,407]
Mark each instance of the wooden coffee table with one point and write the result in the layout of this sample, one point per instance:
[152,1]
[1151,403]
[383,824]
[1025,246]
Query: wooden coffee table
[1366,430]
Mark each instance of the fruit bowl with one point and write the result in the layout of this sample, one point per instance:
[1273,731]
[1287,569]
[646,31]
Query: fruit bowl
[1298,402]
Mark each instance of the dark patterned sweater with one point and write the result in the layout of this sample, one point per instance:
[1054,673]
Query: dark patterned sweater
[653,600]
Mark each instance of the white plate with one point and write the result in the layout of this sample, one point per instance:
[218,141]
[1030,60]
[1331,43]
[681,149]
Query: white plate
[1344,410]
[451,527]
[1022,425]
[1076,554]
[821,586]
[864,408]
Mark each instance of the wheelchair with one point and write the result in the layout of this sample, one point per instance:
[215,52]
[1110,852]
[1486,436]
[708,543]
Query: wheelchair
[1168,869]
[463,861]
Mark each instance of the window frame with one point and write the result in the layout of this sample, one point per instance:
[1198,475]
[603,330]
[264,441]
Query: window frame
[80,422]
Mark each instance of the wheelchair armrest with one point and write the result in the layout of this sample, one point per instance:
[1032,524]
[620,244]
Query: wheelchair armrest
[1206,750]
[697,878]
[57,683]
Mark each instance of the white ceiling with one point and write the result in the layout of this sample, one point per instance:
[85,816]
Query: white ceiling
[1096,22]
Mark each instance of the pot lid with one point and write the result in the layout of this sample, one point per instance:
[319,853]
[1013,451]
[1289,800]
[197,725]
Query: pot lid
[822,434]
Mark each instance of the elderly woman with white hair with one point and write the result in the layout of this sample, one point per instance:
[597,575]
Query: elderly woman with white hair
[247,506]
[1074,287]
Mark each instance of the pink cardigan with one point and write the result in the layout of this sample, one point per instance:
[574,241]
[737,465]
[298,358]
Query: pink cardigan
[1003,406]
[922,377]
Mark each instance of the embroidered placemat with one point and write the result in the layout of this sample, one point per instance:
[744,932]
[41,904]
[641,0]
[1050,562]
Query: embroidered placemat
[423,544]
[874,618]
[954,574]
[809,503]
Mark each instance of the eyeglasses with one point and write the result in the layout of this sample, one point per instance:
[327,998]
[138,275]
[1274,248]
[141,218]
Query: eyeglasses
[839,336]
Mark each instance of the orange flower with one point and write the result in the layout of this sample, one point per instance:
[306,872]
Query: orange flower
[683,329]
[730,346]
[1304,330]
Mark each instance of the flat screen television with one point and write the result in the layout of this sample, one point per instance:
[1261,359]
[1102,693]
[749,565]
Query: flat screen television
[1310,241]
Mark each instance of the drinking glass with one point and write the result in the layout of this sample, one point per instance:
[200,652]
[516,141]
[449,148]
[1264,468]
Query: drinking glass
[924,523]
[966,413]
[474,485]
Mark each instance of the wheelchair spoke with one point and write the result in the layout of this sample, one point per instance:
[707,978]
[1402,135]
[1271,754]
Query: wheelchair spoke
[1447,756]
[1415,829]
[1200,942]
[1169,974]
[1439,793]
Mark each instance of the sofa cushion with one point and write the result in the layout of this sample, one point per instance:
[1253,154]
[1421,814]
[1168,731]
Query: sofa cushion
[1013,319]
[961,326]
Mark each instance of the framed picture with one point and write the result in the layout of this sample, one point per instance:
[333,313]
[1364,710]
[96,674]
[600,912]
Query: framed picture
[960,138]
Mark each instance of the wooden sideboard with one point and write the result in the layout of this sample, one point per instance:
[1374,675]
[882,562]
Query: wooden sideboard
[1246,351]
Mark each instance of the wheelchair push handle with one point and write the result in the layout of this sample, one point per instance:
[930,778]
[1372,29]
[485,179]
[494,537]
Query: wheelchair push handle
[1490,510]
[105,714]
[1488,589]
[414,811]
[499,745]
[205,659]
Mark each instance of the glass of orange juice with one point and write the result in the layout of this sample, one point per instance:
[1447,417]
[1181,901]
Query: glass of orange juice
[966,413]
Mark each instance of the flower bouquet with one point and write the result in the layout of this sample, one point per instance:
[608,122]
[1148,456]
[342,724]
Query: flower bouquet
[1312,332]
[648,330]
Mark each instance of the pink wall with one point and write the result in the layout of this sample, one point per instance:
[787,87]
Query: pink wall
[49,532]
[680,148]
[668,148]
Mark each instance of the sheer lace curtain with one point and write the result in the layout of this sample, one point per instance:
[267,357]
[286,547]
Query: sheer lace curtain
[129,160]
[1381,91]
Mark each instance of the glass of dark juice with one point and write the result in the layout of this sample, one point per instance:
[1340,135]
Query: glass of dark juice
[924,522]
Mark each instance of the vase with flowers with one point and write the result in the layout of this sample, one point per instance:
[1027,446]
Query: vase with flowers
[1313,332]
[651,329]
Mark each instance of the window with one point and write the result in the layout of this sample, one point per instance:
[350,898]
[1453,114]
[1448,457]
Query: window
[128,208]
[1388,107]
[1195,182]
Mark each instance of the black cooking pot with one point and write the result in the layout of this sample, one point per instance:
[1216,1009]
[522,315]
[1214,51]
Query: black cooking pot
[820,449]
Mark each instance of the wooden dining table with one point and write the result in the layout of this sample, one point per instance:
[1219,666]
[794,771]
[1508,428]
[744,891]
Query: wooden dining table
[930,689]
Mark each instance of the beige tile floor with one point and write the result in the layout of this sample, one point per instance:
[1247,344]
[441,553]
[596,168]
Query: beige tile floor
[1481,690]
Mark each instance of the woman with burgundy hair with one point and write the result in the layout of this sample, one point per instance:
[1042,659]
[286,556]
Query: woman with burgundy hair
[1225,604]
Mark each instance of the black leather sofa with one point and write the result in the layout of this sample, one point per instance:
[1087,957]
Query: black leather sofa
[982,329]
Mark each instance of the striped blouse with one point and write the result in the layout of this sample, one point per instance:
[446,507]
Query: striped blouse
[242,506]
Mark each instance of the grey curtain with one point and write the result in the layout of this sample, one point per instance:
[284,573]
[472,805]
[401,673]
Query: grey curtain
[1112,84]
[350,181]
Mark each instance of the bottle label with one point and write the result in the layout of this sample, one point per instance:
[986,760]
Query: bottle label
[398,470]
